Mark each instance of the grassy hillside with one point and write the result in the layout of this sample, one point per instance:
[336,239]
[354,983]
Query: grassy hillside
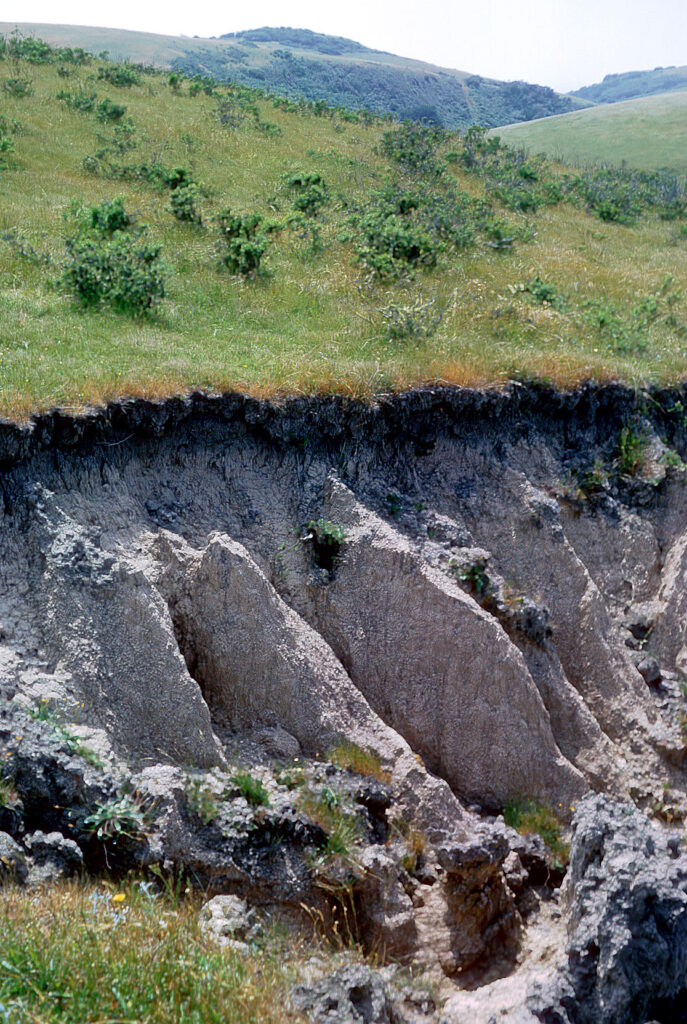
[635,84]
[296,62]
[385,257]
[647,133]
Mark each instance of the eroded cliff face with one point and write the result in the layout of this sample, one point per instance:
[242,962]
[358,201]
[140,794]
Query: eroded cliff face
[159,564]
[485,589]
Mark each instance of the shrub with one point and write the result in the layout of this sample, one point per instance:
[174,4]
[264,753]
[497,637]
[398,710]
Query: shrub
[311,192]
[123,76]
[391,244]
[18,86]
[106,218]
[123,271]
[202,83]
[414,146]
[81,100]
[183,204]
[242,242]
[6,146]
[175,81]
[230,112]
[109,111]
[35,51]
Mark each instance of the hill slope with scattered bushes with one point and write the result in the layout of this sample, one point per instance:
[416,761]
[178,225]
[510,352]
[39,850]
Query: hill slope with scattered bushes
[160,233]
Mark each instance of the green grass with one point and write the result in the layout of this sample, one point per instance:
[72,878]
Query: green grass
[648,133]
[356,759]
[84,953]
[309,323]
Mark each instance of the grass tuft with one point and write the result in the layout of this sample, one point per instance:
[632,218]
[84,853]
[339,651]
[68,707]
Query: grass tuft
[353,758]
[529,817]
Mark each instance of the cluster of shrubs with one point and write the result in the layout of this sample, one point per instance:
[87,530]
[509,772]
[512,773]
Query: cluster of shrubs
[614,194]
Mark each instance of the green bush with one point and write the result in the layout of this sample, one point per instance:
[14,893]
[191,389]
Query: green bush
[311,192]
[6,147]
[18,86]
[202,83]
[242,243]
[109,111]
[183,204]
[414,146]
[123,76]
[391,240]
[81,100]
[108,217]
[28,48]
[108,264]
[175,81]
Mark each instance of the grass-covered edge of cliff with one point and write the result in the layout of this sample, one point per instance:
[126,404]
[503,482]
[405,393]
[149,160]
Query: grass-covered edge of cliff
[391,255]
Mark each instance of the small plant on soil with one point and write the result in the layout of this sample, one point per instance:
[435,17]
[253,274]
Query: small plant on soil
[531,817]
[630,451]
[475,575]
[342,827]
[122,816]
[292,777]
[327,539]
[251,789]
[8,794]
[200,800]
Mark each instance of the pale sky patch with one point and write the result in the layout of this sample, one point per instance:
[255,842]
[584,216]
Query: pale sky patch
[561,43]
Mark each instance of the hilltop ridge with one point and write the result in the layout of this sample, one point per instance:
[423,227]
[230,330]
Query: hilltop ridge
[339,72]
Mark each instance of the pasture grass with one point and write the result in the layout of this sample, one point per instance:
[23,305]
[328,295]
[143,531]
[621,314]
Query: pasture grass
[649,133]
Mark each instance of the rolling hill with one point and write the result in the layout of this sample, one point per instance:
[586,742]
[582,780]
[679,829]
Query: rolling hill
[647,133]
[296,62]
[634,84]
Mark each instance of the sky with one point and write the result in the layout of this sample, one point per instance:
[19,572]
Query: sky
[561,43]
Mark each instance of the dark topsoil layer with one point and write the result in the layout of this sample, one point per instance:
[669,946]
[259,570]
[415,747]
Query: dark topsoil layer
[584,418]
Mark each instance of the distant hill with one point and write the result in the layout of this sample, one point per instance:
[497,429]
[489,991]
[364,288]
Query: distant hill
[648,133]
[297,62]
[634,84]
